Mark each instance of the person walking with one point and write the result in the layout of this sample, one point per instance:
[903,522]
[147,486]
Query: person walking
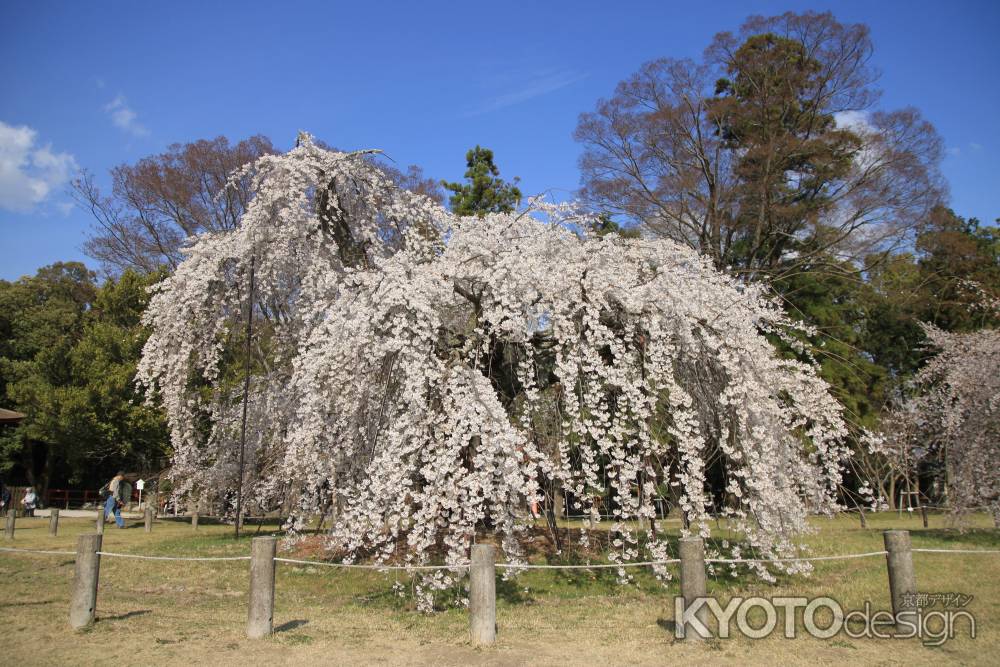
[119,492]
[4,497]
[30,502]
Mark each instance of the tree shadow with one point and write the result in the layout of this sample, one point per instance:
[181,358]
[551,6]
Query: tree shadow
[127,615]
[291,625]
[27,604]
[511,593]
[667,624]
[986,537]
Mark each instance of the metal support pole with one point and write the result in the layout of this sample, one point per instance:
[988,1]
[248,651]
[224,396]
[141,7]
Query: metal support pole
[246,397]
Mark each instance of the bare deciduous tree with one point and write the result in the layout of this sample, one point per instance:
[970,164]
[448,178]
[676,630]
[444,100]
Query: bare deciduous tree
[163,199]
[768,153]
[158,203]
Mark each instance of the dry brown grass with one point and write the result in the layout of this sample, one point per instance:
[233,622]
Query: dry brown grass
[179,613]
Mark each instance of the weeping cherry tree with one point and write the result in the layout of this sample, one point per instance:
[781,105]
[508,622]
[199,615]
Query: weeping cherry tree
[432,374]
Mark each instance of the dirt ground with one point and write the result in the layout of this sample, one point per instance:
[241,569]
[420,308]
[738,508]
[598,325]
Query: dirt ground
[166,613]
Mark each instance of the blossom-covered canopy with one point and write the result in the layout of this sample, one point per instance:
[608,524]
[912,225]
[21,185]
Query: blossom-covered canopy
[431,374]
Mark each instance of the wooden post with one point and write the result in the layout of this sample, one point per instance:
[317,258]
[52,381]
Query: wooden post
[261,617]
[54,521]
[8,533]
[149,519]
[194,520]
[923,514]
[483,595]
[83,602]
[100,520]
[693,584]
[902,580]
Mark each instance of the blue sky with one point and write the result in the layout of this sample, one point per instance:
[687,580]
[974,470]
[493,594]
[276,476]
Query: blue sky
[93,85]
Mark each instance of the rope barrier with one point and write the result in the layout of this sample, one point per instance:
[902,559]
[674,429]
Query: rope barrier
[957,551]
[358,566]
[795,560]
[38,551]
[595,566]
[185,558]
[512,566]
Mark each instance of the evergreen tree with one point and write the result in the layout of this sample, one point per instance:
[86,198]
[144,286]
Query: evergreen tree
[68,353]
[484,191]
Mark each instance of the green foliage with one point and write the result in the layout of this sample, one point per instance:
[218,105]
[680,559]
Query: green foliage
[948,282]
[484,192]
[605,225]
[835,300]
[954,253]
[68,352]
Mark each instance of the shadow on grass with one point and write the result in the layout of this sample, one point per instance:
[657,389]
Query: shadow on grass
[983,537]
[667,624]
[291,625]
[27,604]
[510,592]
[127,615]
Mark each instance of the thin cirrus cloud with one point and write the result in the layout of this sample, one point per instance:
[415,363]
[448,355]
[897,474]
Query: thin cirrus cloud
[541,83]
[124,117]
[30,173]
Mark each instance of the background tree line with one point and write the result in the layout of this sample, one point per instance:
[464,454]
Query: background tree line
[769,154]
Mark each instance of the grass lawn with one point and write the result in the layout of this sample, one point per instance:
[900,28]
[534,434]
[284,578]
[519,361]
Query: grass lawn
[157,612]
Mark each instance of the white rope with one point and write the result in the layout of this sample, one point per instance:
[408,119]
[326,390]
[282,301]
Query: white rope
[37,551]
[957,551]
[595,566]
[207,558]
[358,566]
[795,560]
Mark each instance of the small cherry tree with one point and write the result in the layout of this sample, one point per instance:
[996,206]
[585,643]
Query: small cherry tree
[956,416]
[432,372]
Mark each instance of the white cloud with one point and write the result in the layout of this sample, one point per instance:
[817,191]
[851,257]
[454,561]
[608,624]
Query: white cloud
[536,85]
[976,147]
[954,151]
[853,120]
[29,173]
[124,117]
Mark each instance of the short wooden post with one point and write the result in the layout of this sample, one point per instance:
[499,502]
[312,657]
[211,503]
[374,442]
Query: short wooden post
[54,521]
[83,602]
[194,520]
[261,617]
[693,584]
[100,520]
[923,514]
[149,519]
[902,580]
[483,595]
[8,532]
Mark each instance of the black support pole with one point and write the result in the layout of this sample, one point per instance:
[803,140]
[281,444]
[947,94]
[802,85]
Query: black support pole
[246,396]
